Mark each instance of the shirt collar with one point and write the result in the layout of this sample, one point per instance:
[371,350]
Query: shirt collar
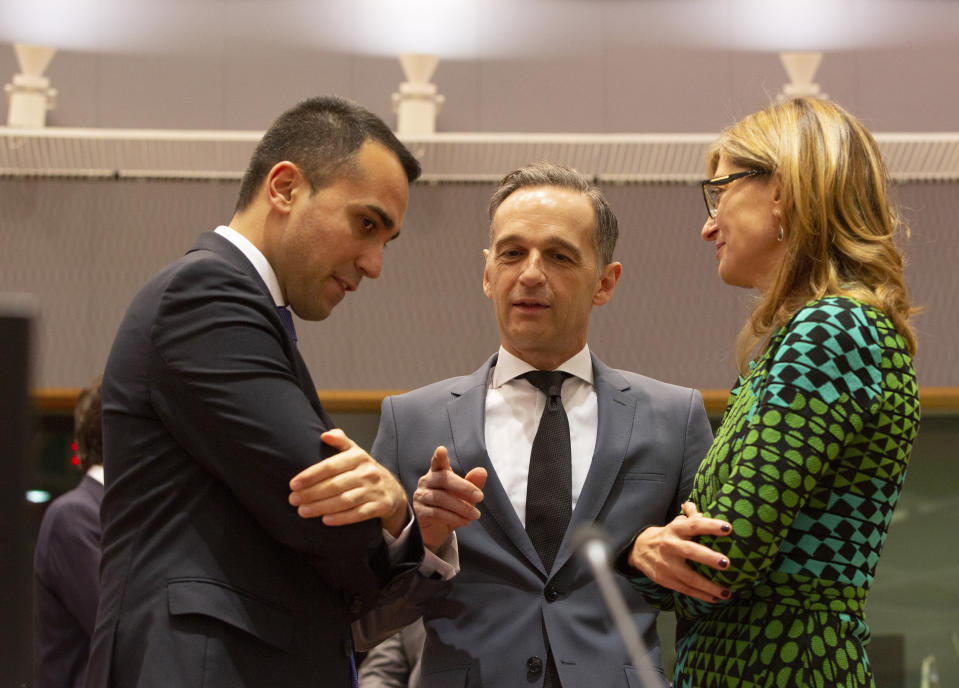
[96,472]
[260,263]
[509,367]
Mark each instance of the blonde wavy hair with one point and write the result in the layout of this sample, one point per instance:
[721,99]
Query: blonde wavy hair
[839,220]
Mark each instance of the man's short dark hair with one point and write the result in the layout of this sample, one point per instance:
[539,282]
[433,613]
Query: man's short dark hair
[87,426]
[606,231]
[320,136]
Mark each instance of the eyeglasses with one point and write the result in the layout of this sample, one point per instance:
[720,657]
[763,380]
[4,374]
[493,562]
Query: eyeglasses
[711,188]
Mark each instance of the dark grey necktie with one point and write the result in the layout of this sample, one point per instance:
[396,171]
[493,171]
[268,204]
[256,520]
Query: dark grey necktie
[550,483]
[287,318]
[549,486]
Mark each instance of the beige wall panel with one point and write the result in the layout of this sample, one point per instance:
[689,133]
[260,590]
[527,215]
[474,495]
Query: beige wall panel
[84,247]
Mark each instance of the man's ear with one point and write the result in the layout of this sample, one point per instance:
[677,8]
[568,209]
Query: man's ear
[281,181]
[606,285]
[486,285]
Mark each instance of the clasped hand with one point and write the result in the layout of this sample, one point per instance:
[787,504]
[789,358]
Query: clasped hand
[349,487]
[663,553]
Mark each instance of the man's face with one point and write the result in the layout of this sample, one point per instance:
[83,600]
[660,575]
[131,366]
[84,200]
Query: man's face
[542,273]
[335,237]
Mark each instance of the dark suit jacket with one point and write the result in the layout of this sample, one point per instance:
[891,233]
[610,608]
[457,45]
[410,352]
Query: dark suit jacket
[66,586]
[209,577]
[486,626]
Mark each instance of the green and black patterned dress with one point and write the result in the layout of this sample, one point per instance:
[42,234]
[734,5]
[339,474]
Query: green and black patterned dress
[807,466]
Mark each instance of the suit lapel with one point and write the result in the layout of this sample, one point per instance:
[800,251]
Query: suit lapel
[211,241]
[467,414]
[616,408]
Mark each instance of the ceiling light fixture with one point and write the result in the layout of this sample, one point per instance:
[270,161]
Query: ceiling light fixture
[417,103]
[801,69]
[30,93]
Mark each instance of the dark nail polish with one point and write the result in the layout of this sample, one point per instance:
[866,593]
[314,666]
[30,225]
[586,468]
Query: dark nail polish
[723,563]
[725,527]
[726,593]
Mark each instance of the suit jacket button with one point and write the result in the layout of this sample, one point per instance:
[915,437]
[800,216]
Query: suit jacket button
[356,604]
[534,665]
[551,593]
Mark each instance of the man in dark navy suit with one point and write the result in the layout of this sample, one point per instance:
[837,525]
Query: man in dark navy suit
[209,576]
[66,562]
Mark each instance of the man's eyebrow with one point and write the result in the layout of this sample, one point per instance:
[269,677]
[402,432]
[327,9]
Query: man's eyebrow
[382,214]
[553,240]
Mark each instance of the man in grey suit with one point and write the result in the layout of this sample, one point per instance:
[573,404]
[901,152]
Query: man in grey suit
[507,618]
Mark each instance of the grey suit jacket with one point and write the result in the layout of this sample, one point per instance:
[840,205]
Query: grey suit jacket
[488,625]
[395,663]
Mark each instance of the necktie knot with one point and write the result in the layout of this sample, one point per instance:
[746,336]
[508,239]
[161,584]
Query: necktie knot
[549,382]
[287,319]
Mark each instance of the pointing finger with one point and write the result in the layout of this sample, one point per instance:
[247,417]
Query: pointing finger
[440,460]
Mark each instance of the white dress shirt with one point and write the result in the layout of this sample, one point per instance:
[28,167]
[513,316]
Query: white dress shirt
[513,410]
[96,472]
[260,263]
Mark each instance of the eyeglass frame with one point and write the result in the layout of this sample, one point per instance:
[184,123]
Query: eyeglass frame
[712,207]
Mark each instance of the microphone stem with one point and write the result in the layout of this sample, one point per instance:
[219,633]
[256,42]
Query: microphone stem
[595,552]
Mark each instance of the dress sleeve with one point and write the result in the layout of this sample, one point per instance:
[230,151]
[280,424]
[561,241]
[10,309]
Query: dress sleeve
[823,384]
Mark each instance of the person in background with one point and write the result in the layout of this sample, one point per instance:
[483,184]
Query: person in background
[66,563]
[810,458]
[395,663]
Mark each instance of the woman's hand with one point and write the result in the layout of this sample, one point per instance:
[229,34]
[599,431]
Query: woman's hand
[662,554]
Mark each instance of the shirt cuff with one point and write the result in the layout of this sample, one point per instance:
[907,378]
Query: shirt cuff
[396,546]
[445,563]
[440,566]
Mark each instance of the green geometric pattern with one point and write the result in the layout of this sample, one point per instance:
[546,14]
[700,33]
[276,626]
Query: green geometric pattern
[807,466]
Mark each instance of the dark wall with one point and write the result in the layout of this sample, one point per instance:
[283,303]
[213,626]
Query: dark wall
[15,625]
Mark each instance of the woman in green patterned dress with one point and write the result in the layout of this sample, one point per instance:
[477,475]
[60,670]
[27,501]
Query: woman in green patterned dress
[769,576]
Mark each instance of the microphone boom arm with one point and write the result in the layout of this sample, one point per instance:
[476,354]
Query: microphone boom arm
[593,548]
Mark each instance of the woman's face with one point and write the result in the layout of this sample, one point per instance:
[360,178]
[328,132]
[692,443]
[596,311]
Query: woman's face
[745,229]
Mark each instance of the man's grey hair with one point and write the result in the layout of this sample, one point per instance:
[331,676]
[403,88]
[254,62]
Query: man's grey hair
[606,231]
